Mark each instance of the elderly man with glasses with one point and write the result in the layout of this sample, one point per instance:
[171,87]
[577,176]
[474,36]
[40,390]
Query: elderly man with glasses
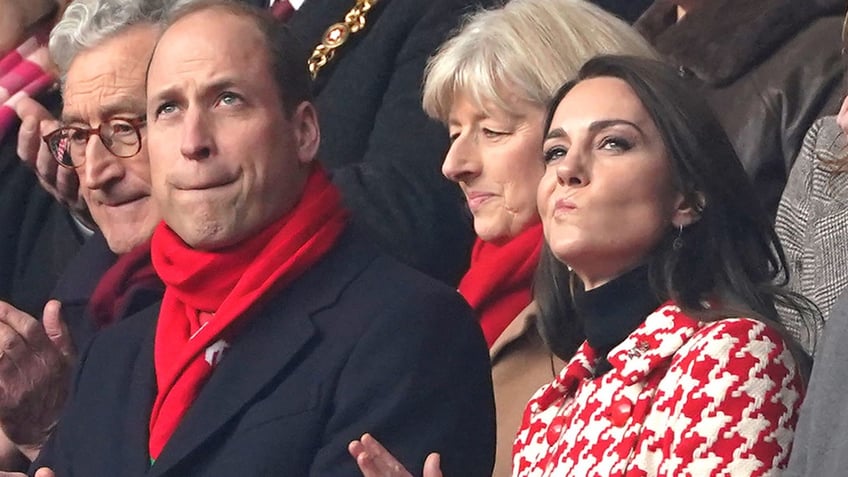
[102,49]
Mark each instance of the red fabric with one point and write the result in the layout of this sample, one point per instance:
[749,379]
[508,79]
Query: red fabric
[683,398]
[208,292]
[497,284]
[282,10]
[131,272]
[24,72]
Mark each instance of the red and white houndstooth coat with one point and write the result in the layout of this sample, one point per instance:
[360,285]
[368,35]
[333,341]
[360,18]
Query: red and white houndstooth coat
[684,398]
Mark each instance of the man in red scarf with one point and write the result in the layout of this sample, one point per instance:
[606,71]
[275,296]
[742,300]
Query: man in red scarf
[283,334]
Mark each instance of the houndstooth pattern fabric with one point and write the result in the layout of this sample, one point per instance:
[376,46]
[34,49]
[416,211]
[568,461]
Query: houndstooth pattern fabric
[812,223]
[684,398]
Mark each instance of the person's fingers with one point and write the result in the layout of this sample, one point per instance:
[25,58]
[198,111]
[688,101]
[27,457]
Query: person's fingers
[37,122]
[367,466]
[57,330]
[433,465]
[23,325]
[373,446]
[382,459]
[29,140]
[27,107]
[842,117]
[355,448]
[45,472]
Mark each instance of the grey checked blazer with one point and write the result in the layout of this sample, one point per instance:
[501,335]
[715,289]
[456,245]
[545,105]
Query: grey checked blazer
[812,223]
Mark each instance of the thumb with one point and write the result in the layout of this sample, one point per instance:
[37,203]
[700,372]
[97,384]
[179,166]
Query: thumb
[44,472]
[26,107]
[432,466]
[56,328]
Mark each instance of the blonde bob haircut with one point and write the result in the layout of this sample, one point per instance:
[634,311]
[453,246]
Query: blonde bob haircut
[523,51]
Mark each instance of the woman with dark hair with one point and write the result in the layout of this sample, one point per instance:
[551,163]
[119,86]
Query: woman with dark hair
[658,253]
[671,270]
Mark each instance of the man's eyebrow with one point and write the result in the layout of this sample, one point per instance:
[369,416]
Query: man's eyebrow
[214,86]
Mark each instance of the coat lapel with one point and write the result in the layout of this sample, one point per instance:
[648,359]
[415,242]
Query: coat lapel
[140,401]
[267,345]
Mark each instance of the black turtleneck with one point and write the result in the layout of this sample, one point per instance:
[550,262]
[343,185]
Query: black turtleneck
[612,311]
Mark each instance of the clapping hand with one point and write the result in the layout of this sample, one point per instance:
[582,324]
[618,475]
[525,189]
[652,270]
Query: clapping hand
[375,461]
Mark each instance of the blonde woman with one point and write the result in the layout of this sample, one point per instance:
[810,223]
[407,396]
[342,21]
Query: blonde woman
[490,85]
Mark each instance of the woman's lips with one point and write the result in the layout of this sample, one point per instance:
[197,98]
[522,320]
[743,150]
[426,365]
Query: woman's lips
[564,206]
[476,199]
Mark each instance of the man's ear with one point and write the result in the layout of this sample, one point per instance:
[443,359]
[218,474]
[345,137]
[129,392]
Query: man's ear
[307,133]
[688,210]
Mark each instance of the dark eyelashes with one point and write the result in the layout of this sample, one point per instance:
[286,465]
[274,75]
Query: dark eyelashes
[555,153]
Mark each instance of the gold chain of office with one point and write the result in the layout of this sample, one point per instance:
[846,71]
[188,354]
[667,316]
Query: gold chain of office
[337,35]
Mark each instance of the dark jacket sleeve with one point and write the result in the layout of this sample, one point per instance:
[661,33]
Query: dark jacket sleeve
[419,385]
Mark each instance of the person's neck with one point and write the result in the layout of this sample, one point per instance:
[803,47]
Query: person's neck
[599,277]
[609,313]
[681,12]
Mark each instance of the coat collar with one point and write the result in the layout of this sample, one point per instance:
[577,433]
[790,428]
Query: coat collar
[647,348]
[277,334]
[518,327]
[726,38]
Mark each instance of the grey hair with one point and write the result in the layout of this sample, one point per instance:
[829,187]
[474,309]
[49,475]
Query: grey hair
[87,23]
[523,51]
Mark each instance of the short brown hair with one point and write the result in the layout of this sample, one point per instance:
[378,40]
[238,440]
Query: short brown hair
[286,54]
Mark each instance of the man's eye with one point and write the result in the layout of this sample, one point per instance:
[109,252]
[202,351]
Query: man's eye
[229,99]
[165,109]
[121,128]
[78,136]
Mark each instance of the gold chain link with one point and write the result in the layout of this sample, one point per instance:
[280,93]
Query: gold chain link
[337,35]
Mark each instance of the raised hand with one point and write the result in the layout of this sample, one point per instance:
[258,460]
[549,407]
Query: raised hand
[60,182]
[35,367]
[375,461]
[842,117]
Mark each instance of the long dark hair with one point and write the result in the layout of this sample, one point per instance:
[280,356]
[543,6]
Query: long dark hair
[731,253]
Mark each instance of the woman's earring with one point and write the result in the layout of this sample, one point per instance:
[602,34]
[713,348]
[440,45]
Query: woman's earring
[678,242]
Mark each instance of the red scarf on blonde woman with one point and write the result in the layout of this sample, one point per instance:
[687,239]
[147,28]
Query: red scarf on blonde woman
[497,284]
[208,292]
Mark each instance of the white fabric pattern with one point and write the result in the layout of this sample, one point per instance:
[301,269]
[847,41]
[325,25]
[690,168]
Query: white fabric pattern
[684,398]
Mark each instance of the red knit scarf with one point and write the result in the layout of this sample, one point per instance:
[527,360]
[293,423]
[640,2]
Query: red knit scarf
[497,285]
[208,292]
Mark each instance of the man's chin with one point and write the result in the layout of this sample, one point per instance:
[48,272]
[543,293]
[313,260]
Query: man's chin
[126,238]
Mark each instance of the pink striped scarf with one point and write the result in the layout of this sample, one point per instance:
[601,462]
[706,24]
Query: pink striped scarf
[24,71]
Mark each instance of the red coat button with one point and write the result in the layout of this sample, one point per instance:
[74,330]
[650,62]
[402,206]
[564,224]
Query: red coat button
[619,412]
[555,430]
